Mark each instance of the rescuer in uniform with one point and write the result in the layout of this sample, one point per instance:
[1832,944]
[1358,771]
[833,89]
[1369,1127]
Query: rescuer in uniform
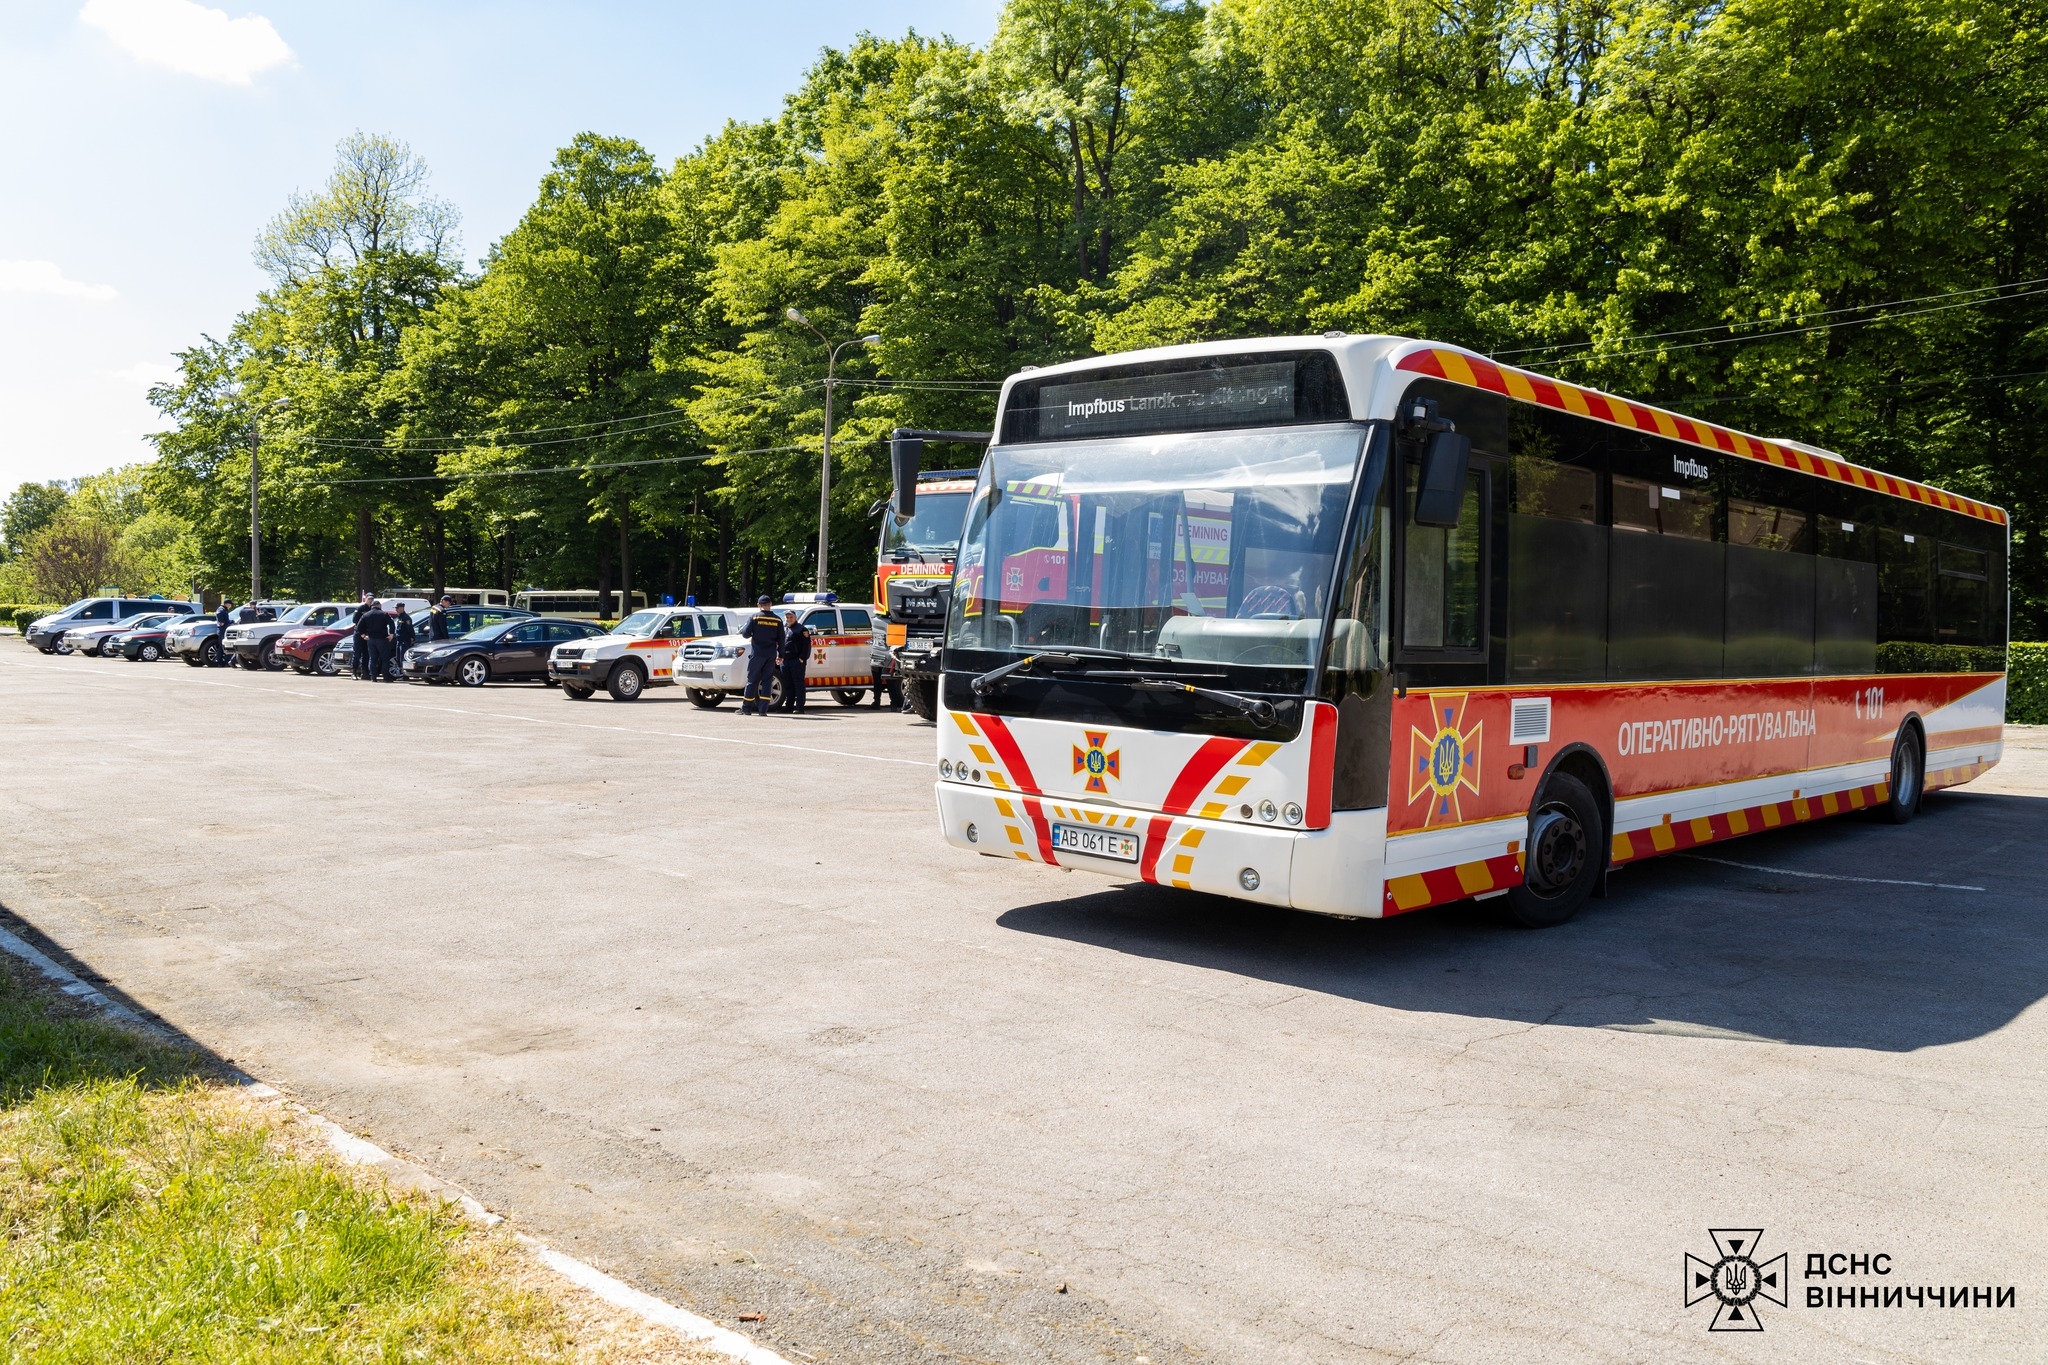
[375,627]
[221,619]
[763,633]
[796,655]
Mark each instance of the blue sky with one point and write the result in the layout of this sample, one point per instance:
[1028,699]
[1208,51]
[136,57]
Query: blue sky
[146,142]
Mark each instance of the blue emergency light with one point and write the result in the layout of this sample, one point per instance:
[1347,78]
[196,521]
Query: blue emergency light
[791,598]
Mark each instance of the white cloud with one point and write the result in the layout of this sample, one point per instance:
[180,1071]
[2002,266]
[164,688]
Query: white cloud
[190,38]
[144,373]
[46,277]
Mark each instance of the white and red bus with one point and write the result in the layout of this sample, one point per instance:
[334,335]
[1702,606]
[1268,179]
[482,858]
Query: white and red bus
[1361,624]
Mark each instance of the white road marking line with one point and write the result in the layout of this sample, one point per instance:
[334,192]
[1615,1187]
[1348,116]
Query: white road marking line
[362,1152]
[564,724]
[1829,876]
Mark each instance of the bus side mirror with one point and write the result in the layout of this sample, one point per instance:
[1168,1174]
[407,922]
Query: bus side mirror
[1441,489]
[906,453]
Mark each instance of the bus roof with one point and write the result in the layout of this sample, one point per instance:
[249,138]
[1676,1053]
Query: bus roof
[1375,370]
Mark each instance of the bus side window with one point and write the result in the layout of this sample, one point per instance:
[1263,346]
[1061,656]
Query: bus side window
[1905,597]
[1963,596]
[1666,565]
[1557,549]
[1844,586]
[1441,576]
[1770,578]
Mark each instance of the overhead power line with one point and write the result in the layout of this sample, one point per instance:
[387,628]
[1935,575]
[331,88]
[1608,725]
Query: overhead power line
[1961,298]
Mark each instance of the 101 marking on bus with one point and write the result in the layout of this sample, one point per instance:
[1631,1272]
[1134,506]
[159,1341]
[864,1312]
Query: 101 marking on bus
[1870,704]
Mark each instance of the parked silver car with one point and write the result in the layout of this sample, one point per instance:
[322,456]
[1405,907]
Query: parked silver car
[47,633]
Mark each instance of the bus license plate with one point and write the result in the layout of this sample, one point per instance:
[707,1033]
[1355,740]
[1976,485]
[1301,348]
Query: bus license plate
[1098,843]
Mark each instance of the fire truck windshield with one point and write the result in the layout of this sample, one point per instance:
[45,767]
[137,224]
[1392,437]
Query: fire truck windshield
[933,530]
[1213,548]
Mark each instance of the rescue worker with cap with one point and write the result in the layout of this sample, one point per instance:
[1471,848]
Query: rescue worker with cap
[437,619]
[221,618]
[796,657]
[763,632]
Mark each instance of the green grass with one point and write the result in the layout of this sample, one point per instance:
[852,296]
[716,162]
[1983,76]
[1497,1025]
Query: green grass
[150,1213]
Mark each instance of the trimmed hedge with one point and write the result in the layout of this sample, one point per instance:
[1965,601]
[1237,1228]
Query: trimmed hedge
[25,616]
[2026,685]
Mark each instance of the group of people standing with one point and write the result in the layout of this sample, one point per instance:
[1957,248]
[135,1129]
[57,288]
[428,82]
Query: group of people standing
[381,638]
[776,644]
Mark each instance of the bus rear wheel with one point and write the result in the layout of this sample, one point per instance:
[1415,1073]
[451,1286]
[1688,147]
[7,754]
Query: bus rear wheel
[1908,778]
[1566,839]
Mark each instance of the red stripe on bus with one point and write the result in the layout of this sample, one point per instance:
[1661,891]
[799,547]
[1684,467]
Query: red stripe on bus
[1194,779]
[1006,749]
[1042,828]
[1322,762]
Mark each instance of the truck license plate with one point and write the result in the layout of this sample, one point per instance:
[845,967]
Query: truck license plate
[1099,843]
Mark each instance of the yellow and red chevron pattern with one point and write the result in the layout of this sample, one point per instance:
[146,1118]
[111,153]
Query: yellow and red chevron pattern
[1955,777]
[1441,885]
[1706,829]
[1461,367]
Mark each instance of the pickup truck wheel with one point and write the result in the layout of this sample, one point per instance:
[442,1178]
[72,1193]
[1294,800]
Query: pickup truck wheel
[209,653]
[473,671]
[705,698]
[627,681]
[268,659]
[323,662]
[849,696]
[577,691]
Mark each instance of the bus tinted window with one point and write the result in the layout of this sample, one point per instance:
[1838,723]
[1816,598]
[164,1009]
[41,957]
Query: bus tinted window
[1770,591]
[1905,587]
[1963,610]
[1557,549]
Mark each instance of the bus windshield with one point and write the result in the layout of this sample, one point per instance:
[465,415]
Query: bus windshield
[934,529]
[1210,547]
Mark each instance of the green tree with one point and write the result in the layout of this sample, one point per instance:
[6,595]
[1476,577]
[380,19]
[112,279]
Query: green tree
[28,510]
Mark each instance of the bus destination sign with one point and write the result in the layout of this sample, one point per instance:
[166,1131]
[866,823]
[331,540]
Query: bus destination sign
[1223,396]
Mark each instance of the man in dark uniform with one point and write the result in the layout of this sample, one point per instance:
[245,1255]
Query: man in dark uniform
[403,637]
[763,632]
[375,628]
[360,661]
[221,619]
[437,619]
[796,656]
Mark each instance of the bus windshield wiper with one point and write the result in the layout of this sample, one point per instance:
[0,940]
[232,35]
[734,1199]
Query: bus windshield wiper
[1257,709]
[987,682]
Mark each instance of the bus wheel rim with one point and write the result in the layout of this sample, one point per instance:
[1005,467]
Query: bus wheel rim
[1557,850]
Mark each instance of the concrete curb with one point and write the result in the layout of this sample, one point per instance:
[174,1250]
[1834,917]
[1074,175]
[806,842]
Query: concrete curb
[358,1151]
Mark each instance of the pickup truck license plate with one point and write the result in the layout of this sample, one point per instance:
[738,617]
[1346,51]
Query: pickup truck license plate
[1098,843]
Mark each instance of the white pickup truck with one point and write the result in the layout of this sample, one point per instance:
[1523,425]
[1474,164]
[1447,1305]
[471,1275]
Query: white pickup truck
[639,653]
[840,639]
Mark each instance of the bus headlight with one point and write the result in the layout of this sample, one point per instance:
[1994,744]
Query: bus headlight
[1293,813]
[973,835]
[945,767]
[1248,878]
[1268,812]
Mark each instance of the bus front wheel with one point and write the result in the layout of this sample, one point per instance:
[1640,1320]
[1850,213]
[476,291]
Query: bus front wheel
[1566,839]
[1908,778]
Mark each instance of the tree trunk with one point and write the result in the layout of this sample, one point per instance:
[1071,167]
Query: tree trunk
[440,556]
[506,563]
[669,584]
[625,562]
[366,551]
[604,574]
[725,557]
[1080,199]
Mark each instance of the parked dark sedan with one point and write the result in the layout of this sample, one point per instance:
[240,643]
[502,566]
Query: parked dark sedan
[461,621]
[147,643]
[516,651]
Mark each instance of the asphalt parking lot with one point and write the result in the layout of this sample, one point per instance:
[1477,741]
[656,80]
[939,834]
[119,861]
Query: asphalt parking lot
[703,1000]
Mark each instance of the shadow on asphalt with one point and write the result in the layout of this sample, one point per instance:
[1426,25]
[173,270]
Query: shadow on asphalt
[1680,945]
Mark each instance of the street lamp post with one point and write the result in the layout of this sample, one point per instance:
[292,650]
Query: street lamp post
[255,523]
[825,464]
